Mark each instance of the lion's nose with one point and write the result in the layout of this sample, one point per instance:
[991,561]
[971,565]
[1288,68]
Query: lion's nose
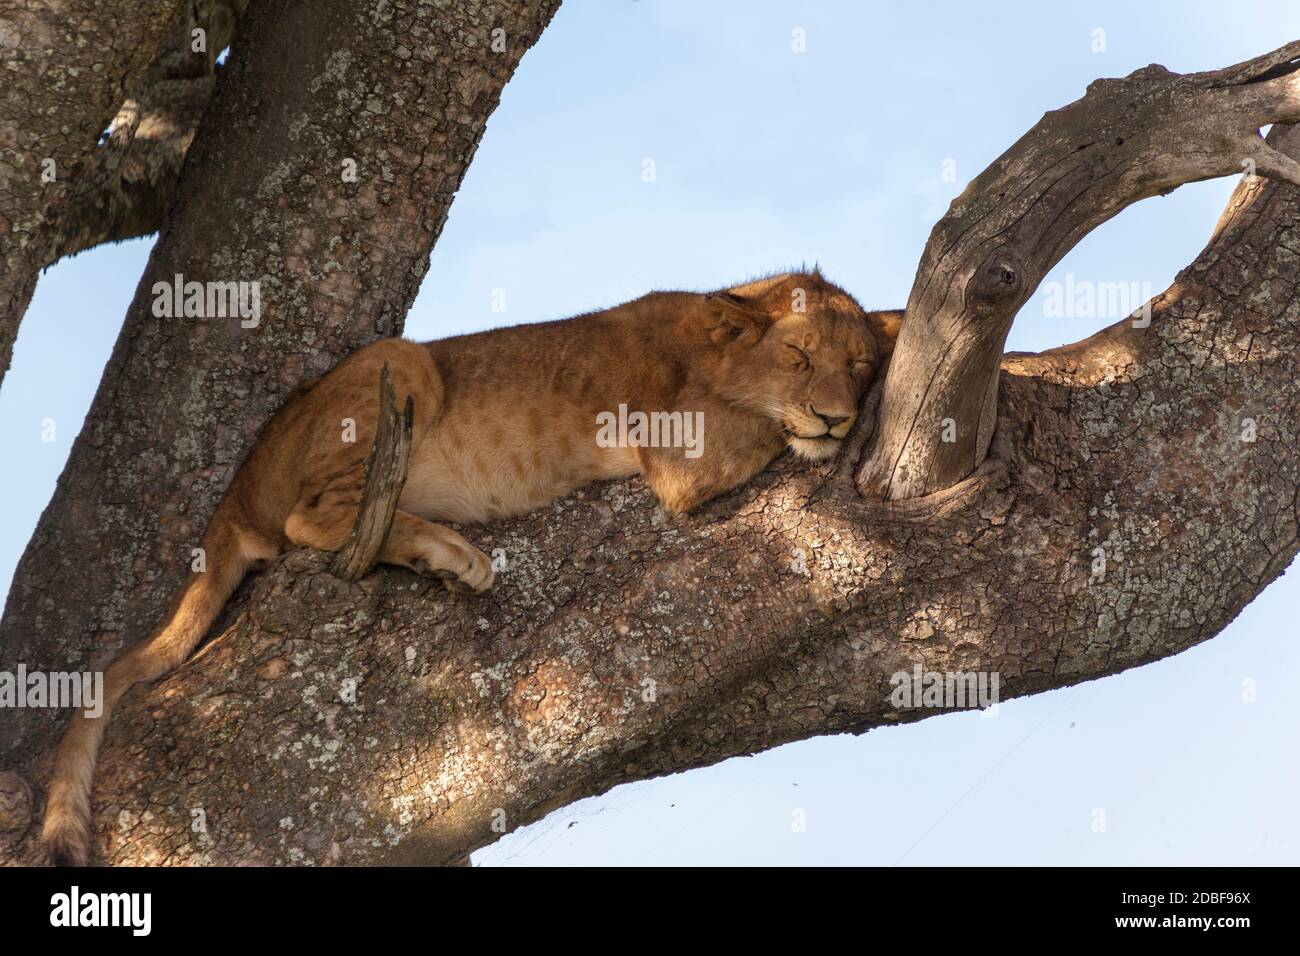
[831,420]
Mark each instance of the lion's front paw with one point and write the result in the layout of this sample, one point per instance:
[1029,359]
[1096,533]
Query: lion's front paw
[472,574]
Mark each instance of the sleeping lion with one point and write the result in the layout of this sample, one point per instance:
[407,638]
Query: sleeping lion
[505,422]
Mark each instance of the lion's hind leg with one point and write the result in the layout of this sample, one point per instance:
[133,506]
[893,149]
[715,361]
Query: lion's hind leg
[436,550]
[412,542]
[331,492]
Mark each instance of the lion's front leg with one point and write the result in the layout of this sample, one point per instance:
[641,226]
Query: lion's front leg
[683,483]
[679,487]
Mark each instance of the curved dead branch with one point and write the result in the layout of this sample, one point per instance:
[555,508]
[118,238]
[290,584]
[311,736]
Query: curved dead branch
[1125,140]
[385,476]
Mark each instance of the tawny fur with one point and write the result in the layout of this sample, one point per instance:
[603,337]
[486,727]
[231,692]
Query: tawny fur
[505,422]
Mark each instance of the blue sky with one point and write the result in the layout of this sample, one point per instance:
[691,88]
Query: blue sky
[762,158]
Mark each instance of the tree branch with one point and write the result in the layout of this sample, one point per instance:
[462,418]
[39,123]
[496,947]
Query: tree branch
[66,71]
[385,478]
[1126,140]
[129,186]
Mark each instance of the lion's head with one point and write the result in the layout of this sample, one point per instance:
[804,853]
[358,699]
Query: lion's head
[800,351]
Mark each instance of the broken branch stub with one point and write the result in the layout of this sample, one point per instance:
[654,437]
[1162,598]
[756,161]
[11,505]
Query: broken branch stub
[385,478]
[1125,140]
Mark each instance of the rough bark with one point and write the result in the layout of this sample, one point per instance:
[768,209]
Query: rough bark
[129,185]
[65,67]
[400,89]
[385,721]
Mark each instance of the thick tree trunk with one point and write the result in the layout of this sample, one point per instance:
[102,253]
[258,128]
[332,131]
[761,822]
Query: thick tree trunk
[1140,488]
[323,171]
[65,67]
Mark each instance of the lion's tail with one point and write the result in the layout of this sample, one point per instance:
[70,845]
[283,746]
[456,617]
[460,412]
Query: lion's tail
[67,827]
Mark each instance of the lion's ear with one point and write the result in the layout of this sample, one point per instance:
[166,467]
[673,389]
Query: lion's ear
[735,318]
[884,328]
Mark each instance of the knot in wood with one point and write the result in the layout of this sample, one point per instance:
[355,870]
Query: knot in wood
[995,284]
